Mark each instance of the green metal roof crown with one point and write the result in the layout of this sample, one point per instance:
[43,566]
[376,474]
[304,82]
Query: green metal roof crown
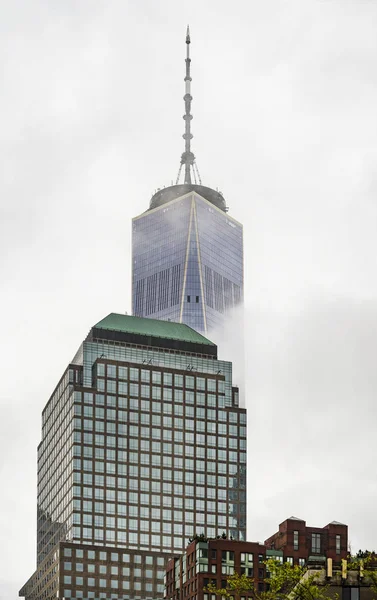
[152,327]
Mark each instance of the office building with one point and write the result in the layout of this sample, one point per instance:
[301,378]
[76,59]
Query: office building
[187,251]
[143,445]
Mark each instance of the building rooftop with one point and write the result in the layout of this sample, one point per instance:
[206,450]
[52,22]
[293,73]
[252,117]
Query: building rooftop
[152,332]
[152,327]
[175,191]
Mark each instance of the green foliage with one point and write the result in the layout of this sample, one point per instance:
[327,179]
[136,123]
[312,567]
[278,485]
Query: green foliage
[365,562]
[235,585]
[366,554]
[284,582]
[198,537]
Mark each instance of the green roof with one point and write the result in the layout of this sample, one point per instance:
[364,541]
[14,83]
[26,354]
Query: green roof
[152,327]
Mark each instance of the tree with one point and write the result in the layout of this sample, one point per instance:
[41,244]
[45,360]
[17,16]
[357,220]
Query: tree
[284,582]
[365,562]
[235,585]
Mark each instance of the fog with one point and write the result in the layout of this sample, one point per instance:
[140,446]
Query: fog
[284,97]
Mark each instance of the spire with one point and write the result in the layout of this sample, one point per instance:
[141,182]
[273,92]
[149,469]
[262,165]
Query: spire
[188,158]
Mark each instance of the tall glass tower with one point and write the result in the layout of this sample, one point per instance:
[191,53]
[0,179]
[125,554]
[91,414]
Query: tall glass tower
[187,251]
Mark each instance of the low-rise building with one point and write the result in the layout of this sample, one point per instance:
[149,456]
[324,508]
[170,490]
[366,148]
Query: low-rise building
[301,543]
[213,560]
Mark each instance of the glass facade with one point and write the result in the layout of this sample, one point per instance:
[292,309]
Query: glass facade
[141,448]
[187,262]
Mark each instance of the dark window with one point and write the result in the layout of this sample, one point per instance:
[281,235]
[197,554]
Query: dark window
[350,593]
[295,540]
[197,299]
[260,574]
[205,581]
[260,587]
[175,284]
[337,544]
[209,286]
[316,543]
[219,295]
[213,553]
[236,293]
[227,293]
[188,299]
[150,304]
[163,289]
[139,297]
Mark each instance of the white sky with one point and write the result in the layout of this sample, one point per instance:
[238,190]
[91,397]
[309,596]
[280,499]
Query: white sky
[285,96]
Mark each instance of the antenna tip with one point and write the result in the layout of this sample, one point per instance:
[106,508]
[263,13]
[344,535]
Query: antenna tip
[188,35]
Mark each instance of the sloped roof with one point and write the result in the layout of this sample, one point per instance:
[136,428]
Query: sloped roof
[152,327]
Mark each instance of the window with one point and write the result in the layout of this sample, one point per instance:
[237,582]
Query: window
[316,543]
[295,540]
[337,544]
[350,593]
[289,560]
[188,298]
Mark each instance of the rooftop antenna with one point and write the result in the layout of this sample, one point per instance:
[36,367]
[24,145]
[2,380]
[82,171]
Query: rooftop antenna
[188,158]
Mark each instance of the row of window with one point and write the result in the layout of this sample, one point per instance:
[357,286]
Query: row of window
[93,582]
[316,542]
[137,375]
[104,555]
[146,512]
[122,442]
[112,570]
[189,409]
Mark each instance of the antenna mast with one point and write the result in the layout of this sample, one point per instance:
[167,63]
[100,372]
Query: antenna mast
[188,158]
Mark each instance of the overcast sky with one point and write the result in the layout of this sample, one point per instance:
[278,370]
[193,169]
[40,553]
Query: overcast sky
[285,125]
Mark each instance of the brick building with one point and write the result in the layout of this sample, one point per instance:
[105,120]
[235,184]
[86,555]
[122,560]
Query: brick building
[213,560]
[298,541]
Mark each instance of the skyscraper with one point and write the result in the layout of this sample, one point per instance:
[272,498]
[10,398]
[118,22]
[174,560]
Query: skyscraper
[143,445]
[187,263]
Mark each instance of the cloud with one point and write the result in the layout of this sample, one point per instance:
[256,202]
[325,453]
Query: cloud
[312,415]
